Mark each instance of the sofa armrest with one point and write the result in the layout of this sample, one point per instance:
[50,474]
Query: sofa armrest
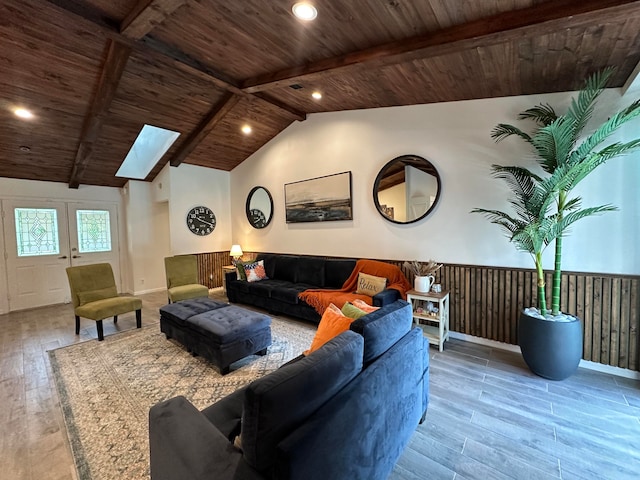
[385,297]
[183,444]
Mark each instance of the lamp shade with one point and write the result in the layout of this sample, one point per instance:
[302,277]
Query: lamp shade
[236,251]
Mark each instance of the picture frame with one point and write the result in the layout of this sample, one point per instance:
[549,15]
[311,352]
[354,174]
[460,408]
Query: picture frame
[319,199]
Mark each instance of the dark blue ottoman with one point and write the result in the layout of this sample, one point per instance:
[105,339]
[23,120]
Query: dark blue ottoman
[217,331]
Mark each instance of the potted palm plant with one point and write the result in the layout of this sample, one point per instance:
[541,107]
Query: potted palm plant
[543,210]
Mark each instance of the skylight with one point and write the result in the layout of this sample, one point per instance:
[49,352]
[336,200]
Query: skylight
[152,143]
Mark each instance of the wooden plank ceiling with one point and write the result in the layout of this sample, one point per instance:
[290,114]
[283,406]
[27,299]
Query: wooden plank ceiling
[95,71]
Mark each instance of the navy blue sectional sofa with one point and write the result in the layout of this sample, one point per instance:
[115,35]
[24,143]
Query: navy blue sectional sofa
[291,274]
[346,411]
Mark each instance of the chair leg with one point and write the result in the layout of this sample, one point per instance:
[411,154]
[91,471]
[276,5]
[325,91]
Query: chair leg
[100,330]
[139,318]
[77,325]
[115,319]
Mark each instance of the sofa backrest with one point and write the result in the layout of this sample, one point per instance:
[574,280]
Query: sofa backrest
[382,328]
[319,272]
[362,431]
[280,402]
[337,270]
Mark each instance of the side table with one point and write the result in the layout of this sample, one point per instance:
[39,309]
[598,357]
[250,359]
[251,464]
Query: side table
[226,269]
[431,314]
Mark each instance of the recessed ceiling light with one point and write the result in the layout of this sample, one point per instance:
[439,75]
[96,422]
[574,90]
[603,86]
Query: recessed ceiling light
[23,113]
[246,129]
[316,95]
[304,11]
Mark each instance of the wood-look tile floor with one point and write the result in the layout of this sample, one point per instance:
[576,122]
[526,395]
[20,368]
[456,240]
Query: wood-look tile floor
[488,418]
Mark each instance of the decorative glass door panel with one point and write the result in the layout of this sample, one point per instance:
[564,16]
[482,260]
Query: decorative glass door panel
[94,232]
[36,231]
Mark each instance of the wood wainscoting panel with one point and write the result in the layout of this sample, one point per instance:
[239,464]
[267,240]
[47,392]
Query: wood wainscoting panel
[486,302]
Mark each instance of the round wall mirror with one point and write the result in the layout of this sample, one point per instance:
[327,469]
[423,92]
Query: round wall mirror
[259,207]
[406,189]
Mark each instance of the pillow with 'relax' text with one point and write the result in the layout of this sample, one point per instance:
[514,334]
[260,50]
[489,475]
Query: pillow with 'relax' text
[370,284]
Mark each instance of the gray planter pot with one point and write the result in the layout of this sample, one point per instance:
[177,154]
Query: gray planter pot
[550,349]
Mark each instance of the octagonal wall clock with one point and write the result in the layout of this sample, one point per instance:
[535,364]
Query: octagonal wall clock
[201,220]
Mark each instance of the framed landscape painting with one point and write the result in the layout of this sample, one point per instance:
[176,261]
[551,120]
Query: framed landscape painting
[319,199]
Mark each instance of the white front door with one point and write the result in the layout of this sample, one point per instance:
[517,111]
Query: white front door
[43,238]
[37,243]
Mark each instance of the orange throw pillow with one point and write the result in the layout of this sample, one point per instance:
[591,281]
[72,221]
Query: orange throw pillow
[331,325]
[364,306]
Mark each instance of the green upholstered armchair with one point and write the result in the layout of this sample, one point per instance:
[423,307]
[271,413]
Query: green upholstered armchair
[182,278]
[94,296]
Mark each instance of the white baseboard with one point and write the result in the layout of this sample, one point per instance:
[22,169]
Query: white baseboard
[151,290]
[599,367]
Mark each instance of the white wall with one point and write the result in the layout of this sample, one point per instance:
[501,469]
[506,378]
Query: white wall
[157,220]
[191,186]
[455,137]
[148,237]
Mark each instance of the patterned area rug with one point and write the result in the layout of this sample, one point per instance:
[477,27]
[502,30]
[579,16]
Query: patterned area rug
[106,389]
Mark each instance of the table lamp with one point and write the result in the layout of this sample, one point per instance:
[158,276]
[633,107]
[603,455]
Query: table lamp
[236,253]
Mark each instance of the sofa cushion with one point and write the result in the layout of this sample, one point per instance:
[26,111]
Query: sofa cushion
[332,324]
[336,272]
[289,292]
[311,271]
[278,403]
[286,268]
[382,328]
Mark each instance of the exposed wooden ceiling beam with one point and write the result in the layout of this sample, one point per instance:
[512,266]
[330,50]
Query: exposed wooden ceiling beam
[110,30]
[217,113]
[537,20]
[146,15]
[191,66]
[117,56]
[633,82]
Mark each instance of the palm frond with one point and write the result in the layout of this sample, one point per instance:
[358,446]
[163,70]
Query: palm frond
[553,143]
[604,131]
[542,114]
[503,130]
[562,226]
[581,109]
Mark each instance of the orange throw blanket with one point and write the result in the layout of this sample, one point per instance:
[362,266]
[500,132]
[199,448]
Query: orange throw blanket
[320,299]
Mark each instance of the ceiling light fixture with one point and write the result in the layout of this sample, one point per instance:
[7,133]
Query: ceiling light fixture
[304,11]
[246,129]
[316,95]
[23,113]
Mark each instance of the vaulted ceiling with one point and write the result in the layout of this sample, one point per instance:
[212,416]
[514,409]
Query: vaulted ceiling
[93,72]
